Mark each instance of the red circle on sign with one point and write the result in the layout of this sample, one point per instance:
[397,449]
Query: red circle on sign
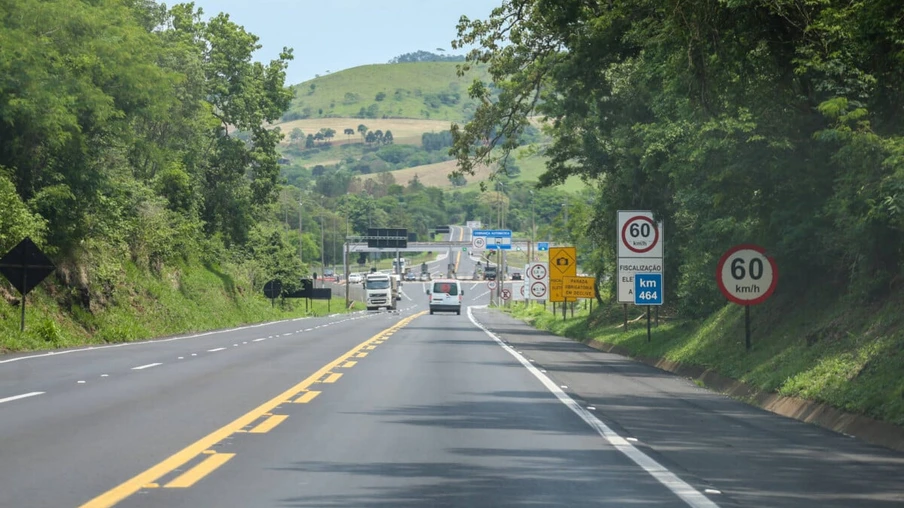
[625,230]
[724,259]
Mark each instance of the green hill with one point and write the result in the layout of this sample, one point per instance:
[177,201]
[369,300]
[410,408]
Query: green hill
[426,90]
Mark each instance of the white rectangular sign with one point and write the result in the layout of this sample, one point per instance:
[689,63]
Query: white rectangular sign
[518,291]
[474,224]
[537,278]
[638,235]
[627,267]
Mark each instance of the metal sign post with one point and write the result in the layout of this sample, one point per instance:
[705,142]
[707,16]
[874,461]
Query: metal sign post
[25,266]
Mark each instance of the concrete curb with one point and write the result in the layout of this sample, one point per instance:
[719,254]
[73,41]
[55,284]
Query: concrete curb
[870,430]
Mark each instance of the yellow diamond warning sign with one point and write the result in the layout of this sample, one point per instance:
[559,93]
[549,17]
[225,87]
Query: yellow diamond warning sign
[562,263]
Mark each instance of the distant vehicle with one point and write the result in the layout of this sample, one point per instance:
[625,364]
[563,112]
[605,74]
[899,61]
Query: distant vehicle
[355,278]
[489,273]
[328,274]
[516,276]
[425,276]
[410,276]
[445,296]
[380,291]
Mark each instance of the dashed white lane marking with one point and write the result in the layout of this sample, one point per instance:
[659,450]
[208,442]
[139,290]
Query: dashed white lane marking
[105,375]
[140,343]
[260,339]
[235,345]
[23,396]
[712,491]
[181,358]
[592,408]
[245,342]
[668,479]
[194,354]
[148,366]
[632,439]
[81,381]
[215,350]
[308,329]
[286,334]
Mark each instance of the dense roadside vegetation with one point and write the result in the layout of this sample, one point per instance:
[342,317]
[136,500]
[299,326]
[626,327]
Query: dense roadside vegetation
[771,122]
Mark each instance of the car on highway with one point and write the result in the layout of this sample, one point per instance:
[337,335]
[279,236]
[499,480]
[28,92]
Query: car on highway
[355,278]
[516,276]
[410,276]
[444,295]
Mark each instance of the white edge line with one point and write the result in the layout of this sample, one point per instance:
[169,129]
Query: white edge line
[679,487]
[23,396]
[148,366]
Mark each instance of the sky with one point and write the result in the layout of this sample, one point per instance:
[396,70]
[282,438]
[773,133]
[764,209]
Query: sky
[332,35]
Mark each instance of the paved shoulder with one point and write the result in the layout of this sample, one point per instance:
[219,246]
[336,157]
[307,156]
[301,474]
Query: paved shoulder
[755,458]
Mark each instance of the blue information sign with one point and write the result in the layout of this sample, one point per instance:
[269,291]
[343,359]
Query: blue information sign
[493,233]
[648,289]
[542,246]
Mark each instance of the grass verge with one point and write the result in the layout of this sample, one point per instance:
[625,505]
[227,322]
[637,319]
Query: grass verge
[819,348]
[184,299]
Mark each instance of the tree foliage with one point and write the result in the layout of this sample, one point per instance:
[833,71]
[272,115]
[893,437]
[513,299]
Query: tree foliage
[768,121]
[134,127]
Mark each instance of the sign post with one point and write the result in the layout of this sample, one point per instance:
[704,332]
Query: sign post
[747,276]
[640,241]
[272,289]
[25,266]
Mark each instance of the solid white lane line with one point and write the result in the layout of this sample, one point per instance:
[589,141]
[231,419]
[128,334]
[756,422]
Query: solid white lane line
[148,366]
[215,350]
[668,479]
[23,396]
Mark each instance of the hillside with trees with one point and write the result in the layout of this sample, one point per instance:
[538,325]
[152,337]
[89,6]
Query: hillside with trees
[412,87]
[776,123]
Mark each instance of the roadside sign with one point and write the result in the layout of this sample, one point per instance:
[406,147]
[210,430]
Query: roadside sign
[491,285]
[464,249]
[479,242]
[638,235]
[579,287]
[494,239]
[506,294]
[648,289]
[272,289]
[542,246]
[628,268]
[25,266]
[538,271]
[538,290]
[473,224]
[746,276]
[562,263]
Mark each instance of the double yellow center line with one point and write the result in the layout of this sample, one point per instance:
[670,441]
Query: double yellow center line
[148,478]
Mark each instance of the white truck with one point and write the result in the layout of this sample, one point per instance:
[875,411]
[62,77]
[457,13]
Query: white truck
[380,290]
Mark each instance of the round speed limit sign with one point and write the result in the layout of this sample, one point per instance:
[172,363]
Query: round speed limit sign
[640,234]
[747,276]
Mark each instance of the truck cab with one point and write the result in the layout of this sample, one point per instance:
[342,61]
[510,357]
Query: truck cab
[380,290]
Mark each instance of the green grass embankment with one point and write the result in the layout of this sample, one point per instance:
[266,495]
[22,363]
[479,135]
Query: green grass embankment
[183,299]
[818,348]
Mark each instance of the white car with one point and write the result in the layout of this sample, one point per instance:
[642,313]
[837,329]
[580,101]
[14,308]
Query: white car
[355,278]
[445,296]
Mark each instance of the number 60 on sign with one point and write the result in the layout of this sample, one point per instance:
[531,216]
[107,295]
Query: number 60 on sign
[747,276]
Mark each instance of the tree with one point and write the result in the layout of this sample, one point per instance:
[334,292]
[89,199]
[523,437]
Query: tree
[309,141]
[349,133]
[387,137]
[362,130]
[297,135]
[380,96]
[370,138]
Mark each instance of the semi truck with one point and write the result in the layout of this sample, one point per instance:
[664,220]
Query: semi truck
[380,290]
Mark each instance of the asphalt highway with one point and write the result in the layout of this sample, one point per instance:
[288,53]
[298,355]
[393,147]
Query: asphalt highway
[403,409]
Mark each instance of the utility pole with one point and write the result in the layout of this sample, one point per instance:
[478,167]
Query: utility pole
[322,264]
[300,233]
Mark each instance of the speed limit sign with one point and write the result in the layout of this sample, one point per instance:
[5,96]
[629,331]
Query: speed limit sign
[745,275]
[478,242]
[639,235]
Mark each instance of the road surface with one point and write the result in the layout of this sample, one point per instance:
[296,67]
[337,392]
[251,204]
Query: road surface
[403,409]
